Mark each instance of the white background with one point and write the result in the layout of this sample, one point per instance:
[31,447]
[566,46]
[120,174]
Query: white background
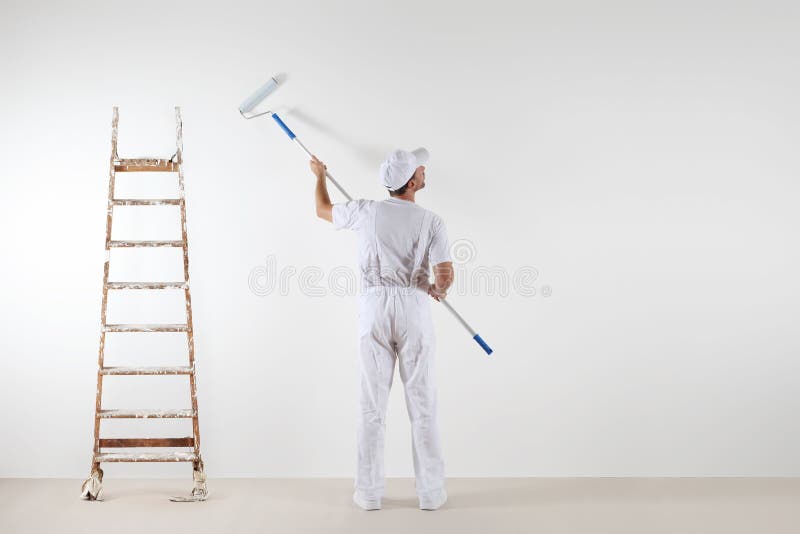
[642,156]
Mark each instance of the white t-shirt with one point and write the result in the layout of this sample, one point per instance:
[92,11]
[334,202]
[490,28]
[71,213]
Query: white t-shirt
[398,240]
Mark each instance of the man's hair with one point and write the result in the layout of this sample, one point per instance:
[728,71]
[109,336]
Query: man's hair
[400,191]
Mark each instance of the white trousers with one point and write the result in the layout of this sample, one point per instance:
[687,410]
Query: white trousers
[397,326]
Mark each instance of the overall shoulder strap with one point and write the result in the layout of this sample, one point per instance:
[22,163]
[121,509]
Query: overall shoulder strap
[421,248]
[373,257]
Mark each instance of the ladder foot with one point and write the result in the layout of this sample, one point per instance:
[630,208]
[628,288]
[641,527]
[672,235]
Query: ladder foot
[92,489]
[200,490]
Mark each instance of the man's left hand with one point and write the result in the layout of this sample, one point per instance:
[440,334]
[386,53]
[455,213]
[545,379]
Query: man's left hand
[317,167]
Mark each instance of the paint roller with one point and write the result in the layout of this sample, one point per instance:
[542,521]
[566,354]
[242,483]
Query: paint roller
[247,107]
[248,111]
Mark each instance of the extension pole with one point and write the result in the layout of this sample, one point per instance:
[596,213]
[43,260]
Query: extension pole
[299,143]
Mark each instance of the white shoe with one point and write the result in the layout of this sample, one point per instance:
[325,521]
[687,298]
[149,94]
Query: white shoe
[366,504]
[433,503]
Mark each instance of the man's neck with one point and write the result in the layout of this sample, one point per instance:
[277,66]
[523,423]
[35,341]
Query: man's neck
[408,195]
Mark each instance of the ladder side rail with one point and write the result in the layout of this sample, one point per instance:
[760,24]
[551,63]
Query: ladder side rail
[104,304]
[187,291]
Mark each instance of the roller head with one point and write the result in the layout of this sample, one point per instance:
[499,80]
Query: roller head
[256,98]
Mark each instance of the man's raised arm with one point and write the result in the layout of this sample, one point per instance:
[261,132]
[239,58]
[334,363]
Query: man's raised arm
[323,200]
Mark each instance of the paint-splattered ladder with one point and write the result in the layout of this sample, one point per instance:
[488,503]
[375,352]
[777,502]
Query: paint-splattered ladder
[92,487]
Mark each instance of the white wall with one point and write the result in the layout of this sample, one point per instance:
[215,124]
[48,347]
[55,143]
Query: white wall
[641,156]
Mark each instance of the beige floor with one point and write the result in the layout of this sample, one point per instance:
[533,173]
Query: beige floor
[493,506]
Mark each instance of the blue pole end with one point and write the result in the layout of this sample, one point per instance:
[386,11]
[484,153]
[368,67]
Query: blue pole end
[479,340]
[283,126]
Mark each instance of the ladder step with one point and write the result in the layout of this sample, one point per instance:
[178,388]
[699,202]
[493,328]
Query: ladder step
[146,202]
[145,165]
[146,442]
[145,243]
[145,457]
[146,414]
[147,285]
[145,328]
[178,370]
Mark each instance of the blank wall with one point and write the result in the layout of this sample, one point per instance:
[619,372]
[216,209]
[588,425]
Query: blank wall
[636,161]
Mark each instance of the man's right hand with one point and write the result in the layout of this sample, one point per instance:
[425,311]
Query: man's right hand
[443,278]
[436,293]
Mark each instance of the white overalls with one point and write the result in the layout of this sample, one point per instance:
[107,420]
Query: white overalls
[397,242]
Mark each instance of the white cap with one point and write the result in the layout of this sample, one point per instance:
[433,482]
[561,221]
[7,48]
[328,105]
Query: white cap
[400,165]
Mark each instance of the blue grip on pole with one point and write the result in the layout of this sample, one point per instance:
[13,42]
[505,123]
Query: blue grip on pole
[482,343]
[283,125]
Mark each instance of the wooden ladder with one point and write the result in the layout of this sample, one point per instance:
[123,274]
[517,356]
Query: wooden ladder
[92,487]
